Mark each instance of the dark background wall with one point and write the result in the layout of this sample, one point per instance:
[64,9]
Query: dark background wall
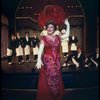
[8,8]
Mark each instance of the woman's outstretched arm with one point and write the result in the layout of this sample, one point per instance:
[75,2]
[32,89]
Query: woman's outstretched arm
[39,59]
[67,31]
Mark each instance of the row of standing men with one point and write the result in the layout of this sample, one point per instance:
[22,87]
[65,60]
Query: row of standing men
[22,45]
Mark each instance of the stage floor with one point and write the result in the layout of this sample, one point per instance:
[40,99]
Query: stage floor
[19,82]
[28,67]
[70,94]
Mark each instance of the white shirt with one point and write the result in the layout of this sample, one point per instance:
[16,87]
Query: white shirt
[79,54]
[26,38]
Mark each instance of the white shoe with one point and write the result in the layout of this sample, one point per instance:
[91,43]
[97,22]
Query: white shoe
[22,61]
[35,60]
[68,64]
[19,62]
[86,66]
[64,64]
[10,63]
[28,60]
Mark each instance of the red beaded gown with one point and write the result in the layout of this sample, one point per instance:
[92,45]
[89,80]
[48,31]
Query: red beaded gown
[50,86]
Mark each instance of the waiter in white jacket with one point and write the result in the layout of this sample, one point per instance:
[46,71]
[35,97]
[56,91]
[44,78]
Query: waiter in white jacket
[64,43]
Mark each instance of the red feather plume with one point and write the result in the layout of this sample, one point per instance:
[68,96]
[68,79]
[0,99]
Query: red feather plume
[51,12]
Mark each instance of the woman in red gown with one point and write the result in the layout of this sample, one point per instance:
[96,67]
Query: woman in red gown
[50,86]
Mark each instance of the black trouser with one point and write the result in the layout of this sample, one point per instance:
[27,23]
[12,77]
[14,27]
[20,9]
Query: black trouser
[35,57]
[90,63]
[9,58]
[73,52]
[65,54]
[27,57]
[20,58]
[69,58]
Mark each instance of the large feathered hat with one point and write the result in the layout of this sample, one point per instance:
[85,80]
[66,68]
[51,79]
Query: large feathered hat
[51,12]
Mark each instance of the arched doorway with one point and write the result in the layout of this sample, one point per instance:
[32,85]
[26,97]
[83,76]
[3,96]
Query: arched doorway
[27,13]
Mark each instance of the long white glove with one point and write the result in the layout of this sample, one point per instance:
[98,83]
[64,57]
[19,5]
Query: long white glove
[39,61]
